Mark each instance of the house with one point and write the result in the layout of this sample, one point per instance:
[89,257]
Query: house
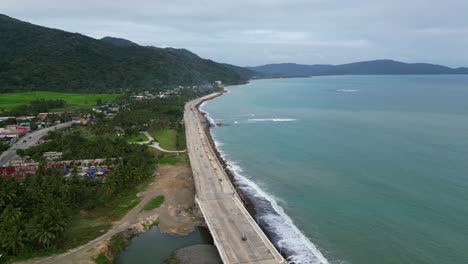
[42,115]
[10,133]
[4,118]
[52,155]
[97,109]
[16,129]
[23,118]
[26,125]
[138,97]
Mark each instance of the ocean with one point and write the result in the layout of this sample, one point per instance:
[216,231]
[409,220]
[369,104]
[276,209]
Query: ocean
[353,169]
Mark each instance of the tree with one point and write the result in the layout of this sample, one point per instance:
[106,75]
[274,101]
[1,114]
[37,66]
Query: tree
[48,223]
[12,236]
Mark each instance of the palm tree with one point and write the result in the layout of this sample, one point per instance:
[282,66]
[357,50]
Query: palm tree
[12,236]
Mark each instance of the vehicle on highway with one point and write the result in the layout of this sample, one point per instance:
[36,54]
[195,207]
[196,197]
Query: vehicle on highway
[29,137]
[24,141]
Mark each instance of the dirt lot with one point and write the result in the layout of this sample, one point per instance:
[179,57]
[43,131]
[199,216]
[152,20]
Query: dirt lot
[177,215]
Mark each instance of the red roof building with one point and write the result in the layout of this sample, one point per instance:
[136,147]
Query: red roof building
[42,115]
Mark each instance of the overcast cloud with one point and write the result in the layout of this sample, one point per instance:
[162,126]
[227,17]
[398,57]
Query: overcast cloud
[254,32]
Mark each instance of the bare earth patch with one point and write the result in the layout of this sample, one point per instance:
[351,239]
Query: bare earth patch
[177,215]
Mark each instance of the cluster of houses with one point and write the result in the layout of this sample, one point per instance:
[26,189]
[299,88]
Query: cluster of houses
[109,109]
[147,95]
[13,131]
[88,168]
[21,125]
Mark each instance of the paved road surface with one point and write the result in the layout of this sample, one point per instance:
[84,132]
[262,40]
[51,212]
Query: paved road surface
[10,154]
[226,216]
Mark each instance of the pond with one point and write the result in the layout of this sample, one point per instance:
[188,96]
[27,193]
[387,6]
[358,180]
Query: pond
[153,247]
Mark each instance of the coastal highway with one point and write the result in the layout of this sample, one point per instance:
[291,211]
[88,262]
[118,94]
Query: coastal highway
[31,139]
[236,235]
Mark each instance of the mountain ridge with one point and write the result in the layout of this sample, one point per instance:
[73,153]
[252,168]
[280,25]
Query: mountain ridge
[373,67]
[39,58]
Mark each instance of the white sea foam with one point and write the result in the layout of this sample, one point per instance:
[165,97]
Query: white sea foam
[290,238]
[210,119]
[347,90]
[271,119]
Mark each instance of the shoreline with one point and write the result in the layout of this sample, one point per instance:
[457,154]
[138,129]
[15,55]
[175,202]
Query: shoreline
[278,227]
[207,128]
[246,200]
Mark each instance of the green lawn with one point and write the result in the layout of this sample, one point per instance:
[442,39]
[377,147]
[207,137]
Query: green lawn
[154,203]
[172,159]
[166,137]
[9,101]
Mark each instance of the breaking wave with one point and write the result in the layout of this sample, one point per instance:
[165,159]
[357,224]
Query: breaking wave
[347,90]
[271,119]
[286,237]
[207,115]
[270,215]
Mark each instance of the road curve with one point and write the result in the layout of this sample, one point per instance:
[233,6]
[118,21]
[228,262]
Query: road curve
[31,139]
[226,216]
[153,143]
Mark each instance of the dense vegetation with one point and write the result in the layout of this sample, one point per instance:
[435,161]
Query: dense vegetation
[39,58]
[3,147]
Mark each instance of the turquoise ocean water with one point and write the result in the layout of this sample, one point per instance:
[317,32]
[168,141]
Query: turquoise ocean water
[353,169]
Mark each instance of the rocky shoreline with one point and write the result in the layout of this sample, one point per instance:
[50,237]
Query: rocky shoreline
[246,200]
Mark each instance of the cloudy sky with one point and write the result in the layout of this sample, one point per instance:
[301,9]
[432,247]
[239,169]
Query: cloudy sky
[254,32]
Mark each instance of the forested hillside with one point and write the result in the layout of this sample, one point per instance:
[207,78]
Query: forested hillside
[39,58]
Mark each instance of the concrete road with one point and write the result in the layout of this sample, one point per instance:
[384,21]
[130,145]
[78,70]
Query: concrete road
[226,216]
[31,139]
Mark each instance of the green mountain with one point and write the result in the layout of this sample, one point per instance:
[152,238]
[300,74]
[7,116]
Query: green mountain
[39,58]
[357,68]
[119,42]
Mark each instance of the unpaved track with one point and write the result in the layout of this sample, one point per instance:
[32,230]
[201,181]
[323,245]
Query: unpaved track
[156,145]
[171,177]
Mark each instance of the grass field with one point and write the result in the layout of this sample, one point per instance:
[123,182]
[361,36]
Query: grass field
[137,138]
[166,137]
[174,159]
[154,203]
[9,101]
